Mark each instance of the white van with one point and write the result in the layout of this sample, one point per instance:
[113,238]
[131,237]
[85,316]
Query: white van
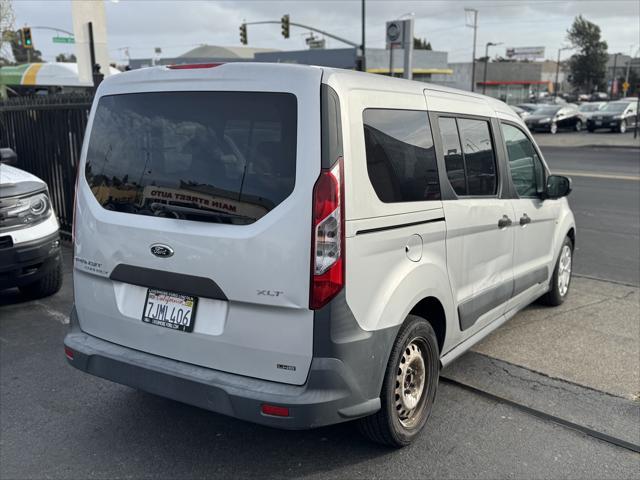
[299,246]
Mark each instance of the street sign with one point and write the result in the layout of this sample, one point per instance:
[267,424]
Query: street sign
[64,40]
[625,87]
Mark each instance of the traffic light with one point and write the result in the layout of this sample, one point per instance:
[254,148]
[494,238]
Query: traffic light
[243,34]
[27,42]
[285,26]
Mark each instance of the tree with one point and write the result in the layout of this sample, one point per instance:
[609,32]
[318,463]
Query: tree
[589,65]
[421,44]
[66,59]
[7,19]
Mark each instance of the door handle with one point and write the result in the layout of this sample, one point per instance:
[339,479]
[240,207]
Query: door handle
[524,219]
[504,222]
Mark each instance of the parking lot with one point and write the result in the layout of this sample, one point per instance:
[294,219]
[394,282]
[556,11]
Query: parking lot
[553,393]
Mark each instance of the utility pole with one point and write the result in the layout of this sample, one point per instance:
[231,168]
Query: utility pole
[363,64]
[613,76]
[486,63]
[473,25]
[556,85]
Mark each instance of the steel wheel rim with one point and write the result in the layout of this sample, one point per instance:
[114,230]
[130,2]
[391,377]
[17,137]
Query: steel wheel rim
[578,126]
[623,126]
[554,128]
[411,381]
[564,270]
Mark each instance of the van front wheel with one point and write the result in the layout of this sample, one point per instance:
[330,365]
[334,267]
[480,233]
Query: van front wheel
[409,386]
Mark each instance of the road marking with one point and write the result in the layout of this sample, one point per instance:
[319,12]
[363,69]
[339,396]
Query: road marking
[609,176]
[55,314]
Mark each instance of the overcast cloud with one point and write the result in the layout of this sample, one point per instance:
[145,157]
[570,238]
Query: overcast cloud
[176,26]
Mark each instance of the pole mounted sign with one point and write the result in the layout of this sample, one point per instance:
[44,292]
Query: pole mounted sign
[399,34]
[525,53]
[395,33]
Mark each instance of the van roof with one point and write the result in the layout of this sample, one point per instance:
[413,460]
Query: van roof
[263,71]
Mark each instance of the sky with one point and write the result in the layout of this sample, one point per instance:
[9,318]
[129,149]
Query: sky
[179,25]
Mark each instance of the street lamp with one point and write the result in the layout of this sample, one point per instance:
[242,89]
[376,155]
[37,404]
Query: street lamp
[486,63]
[557,86]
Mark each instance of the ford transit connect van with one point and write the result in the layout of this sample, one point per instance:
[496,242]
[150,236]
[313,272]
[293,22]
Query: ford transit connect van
[299,246]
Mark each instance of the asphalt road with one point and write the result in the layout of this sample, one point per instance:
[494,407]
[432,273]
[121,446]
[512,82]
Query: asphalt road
[606,203]
[58,422]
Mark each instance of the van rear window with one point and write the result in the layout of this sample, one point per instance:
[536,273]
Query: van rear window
[222,157]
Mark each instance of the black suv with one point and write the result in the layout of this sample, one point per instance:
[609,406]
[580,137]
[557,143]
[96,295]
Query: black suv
[615,116]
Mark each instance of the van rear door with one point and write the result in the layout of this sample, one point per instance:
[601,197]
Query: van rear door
[193,217]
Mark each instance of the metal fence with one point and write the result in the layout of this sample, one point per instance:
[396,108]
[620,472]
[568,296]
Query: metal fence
[46,133]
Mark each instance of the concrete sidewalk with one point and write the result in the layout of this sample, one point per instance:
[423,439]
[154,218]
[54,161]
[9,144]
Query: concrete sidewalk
[593,339]
[588,139]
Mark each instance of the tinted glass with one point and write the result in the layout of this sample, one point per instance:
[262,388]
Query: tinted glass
[547,110]
[527,173]
[589,107]
[453,155]
[479,159]
[226,157]
[615,107]
[401,159]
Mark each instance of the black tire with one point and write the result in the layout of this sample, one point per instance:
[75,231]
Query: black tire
[579,126]
[47,285]
[623,126]
[385,426]
[591,130]
[555,297]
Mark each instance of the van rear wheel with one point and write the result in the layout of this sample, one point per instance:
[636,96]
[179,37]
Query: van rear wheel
[409,386]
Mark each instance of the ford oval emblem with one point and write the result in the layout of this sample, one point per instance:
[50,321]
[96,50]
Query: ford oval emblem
[162,251]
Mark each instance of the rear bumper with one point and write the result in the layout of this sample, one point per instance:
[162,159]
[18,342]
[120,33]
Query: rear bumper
[28,262]
[332,393]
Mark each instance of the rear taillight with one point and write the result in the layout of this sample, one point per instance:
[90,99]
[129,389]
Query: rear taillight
[327,257]
[68,352]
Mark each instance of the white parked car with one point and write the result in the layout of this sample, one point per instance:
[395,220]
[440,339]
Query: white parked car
[30,256]
[300,246]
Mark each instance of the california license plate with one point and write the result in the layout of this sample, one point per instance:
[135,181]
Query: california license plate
[170,310]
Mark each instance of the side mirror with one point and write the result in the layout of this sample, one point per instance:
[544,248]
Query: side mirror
[8,156]
[558,186]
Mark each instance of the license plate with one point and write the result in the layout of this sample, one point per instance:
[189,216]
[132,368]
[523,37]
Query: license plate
[170,310]
[598,122]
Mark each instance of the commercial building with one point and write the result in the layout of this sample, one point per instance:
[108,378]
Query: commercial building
[512,82]
[202,54]
[426,63]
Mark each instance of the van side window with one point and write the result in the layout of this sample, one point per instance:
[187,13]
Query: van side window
[401,160]
[469,156]
[479,159]
[526,168]
[453,155]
